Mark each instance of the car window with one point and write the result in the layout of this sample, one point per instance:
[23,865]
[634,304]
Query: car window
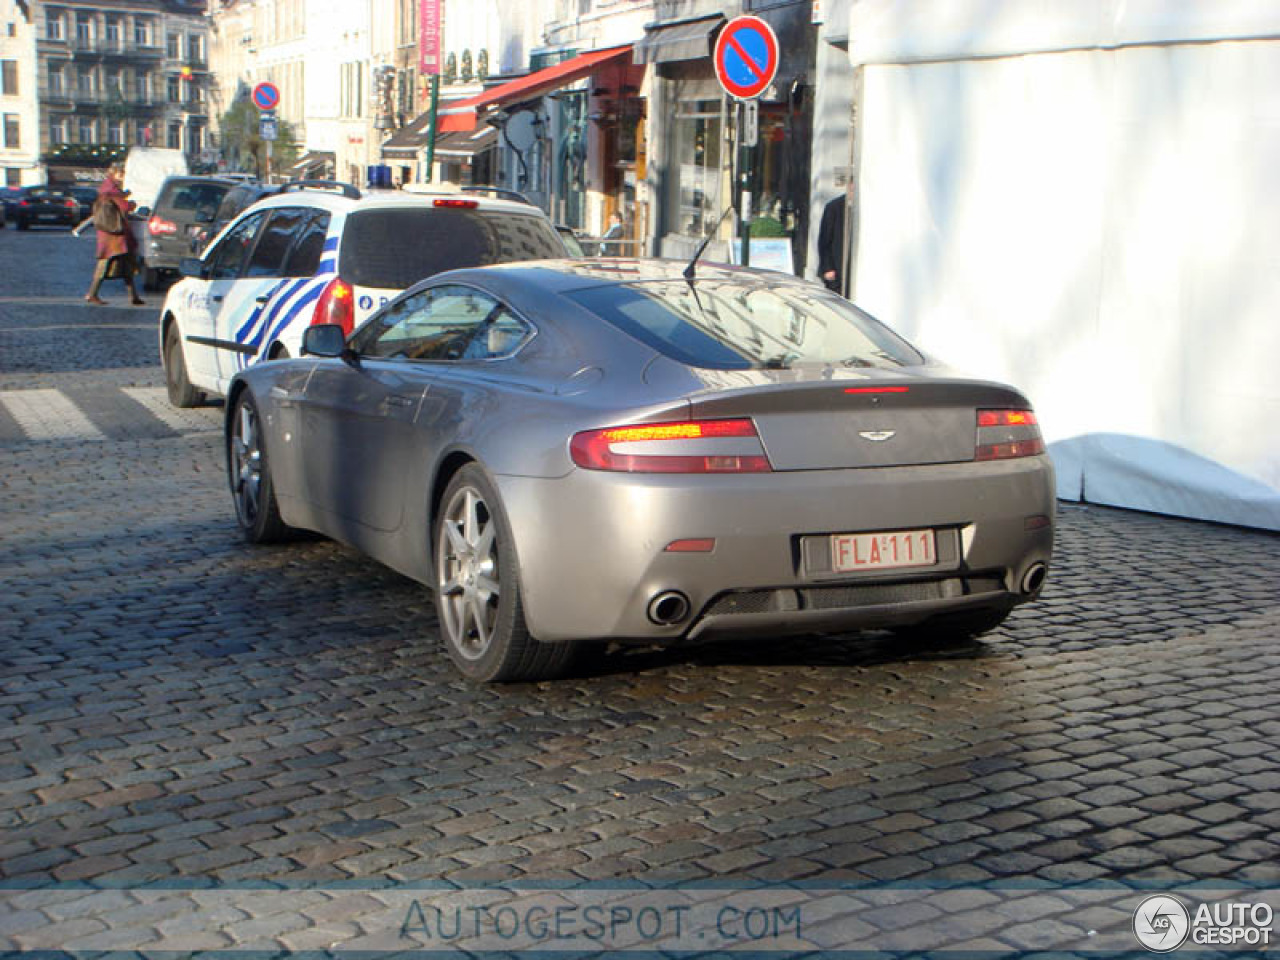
[738,325]
[277,236]
[229,256]
[443,323]
[304,259]
[398,247]
[194,196]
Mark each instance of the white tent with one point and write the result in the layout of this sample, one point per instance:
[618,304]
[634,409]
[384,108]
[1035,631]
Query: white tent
[1084,199]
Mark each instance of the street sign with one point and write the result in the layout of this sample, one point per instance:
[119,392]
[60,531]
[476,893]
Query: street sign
[266,96]
[746,57]
[267,128]
[750,123]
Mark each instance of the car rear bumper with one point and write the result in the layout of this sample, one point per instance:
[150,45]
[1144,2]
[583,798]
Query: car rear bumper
[592,552]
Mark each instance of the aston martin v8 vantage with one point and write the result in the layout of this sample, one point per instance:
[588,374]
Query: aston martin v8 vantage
[576,451]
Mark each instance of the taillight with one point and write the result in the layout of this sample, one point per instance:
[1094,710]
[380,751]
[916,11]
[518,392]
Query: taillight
[160,227]
[336,305]
[449,202]
[73,204]
[693,446]
[23,203]
[1007,434]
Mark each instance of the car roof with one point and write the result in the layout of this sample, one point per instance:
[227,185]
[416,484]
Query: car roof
[389,200]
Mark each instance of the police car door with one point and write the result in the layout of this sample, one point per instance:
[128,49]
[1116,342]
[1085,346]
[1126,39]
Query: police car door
[245,322]
[203,300]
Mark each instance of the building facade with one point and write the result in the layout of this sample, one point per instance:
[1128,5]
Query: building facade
[19,105]
[118,73]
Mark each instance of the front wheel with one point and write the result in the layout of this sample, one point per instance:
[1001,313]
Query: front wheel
[250,476]
[478,591]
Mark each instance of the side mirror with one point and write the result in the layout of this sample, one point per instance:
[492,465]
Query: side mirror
[324,340]
[143,212]
[191,267]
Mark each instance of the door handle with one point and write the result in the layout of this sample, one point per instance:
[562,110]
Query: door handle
[395,400]
[262,299]
[216,298]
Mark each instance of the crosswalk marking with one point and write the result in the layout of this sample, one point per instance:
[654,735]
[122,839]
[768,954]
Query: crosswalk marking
[48,415]
[156,400]
[51,415]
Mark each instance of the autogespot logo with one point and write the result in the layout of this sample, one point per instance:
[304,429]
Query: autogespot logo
[1161,923]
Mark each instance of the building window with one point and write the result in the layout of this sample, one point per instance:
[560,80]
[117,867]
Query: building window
[58,131]
[115,132]
[351,81]
[196,138]
[84,31]
[57,83]
[144,88]
[174,46]
[12,134]
[9,78]
[87,132]
[86,85]
[195,48]
[174,90]
[175,135]
[53,25]
[142,33]
[112,34]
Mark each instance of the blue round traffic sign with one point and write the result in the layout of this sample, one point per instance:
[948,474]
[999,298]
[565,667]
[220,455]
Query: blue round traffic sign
[746,57]
[266,96]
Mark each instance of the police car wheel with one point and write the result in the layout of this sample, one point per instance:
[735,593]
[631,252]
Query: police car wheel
[181,392]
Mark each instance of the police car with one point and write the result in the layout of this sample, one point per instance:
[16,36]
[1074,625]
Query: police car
[321,252]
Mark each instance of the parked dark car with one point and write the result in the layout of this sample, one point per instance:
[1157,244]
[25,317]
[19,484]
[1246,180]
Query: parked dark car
[85,194]
[9,197]
[45,207]
[236,200]
[184,206]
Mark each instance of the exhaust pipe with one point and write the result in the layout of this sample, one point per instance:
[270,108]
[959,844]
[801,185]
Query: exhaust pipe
[1033,579]
[668,607]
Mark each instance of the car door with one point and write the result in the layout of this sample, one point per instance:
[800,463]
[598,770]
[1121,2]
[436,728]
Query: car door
[364,446]
[203,299]
[248,309]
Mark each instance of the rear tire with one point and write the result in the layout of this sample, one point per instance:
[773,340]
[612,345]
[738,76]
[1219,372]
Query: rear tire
[249,473]
[478,591]
[181,392]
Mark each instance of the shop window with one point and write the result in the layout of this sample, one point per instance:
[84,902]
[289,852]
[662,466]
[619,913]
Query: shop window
[698,167]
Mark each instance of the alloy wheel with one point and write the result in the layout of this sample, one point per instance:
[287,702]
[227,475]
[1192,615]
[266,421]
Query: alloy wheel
[468,571]
[246,464]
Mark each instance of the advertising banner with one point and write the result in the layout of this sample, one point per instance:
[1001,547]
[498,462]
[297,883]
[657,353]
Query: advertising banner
[429,38]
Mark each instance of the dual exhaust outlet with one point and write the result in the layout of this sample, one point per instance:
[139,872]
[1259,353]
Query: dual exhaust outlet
[670,607]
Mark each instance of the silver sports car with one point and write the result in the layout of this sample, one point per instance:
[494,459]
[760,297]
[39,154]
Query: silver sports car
[571,451]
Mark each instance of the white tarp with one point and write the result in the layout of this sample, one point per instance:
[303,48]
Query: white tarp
[1099,226]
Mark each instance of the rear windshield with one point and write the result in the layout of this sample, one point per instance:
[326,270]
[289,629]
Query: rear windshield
[739,325]
[193,196]
[397,248]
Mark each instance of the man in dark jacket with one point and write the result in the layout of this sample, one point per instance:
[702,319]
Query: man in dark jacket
[831,242]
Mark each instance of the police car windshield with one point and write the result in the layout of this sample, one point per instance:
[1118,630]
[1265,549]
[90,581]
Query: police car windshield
[396,248]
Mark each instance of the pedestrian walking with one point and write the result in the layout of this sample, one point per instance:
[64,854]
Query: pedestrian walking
[117,253]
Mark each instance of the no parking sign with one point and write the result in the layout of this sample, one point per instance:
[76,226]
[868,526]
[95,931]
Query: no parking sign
[746,57]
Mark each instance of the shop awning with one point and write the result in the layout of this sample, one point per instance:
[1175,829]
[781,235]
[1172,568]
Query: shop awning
[463,114]
[667,41]
[405,143]
[316,160]
[466,144]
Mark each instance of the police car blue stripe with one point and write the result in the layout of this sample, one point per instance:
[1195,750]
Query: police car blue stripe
[273,305]
[310,296]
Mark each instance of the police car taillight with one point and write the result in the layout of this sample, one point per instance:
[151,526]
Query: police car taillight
[451,202]
[336,305]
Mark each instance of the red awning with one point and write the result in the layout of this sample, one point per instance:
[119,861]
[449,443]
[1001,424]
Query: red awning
[462,114]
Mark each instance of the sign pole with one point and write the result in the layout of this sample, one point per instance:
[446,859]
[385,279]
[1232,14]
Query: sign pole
[428,174]
[744,184]
[745,62]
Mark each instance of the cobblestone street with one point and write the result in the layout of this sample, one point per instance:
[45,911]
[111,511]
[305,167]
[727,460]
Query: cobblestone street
[175,704]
